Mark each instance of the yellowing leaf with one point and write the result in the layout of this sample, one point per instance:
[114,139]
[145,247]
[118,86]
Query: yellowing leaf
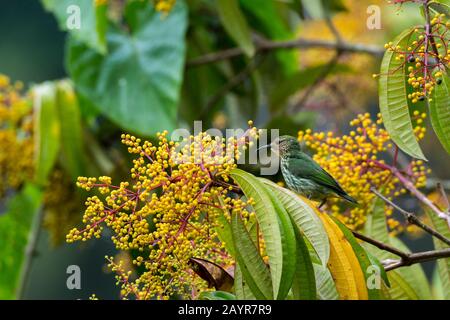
[343,263]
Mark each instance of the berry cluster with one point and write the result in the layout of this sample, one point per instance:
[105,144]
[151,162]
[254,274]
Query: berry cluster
[426,57]
[166,213]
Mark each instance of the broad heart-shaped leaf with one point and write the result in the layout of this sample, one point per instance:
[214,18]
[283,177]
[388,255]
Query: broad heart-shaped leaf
[394,100]
[440,112]
[254,271]
[84,19]
[46,130]
[305,218]
[137,84]
[235,24]
[15,226]
[276,230]
[443,265]
[73,155]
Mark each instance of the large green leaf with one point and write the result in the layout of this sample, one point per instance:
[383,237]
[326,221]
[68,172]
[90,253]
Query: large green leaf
[15,227]
[400,288]
[394,101]
[413,274]
[304,218]
[255,272]
[304,283]
[92,20]
[326,288]
[241,289]
[276,237]
[137,85]
[443,265]
[73,155]
[403,285]
[46,130]
[235,24]
[440,112]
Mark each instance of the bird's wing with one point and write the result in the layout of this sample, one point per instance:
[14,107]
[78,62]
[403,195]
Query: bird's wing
[302,165]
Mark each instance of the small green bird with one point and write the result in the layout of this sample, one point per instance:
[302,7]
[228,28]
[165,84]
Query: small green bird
[303,175]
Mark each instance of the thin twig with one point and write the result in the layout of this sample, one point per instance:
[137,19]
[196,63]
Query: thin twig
[268,45]
[419,257]
[441,189]
[412,219]
[380,245]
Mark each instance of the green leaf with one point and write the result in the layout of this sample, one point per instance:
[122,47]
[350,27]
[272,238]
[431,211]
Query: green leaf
[276,239]
[376,228]
[304,218]
[326,288]
[443,265]
[241,289]
[72,150]
[223,229]
[216,295]
[394,102]
[363,258]
[400,288]
[440,112]
[304,283]
[137,85]
[255,272]
[273,25]
[289,249]
[440,7]
[46,130]
[235,24]
[15,227]
[92,20]
[414,274]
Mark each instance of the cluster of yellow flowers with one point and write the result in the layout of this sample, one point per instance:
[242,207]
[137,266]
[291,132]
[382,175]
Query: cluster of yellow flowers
[427,55]
[164,5]
[166,212]
[356,162]
[16,136]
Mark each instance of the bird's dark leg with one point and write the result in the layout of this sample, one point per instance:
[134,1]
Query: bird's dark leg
[322,203]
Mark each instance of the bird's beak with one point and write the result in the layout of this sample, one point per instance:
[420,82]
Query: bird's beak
[263,147]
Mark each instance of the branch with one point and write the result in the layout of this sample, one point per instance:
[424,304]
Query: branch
[412,219]
[406,259]
[268,45]
[419,257]
[419,195]
[380,245]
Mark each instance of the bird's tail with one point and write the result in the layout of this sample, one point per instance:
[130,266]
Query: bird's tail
[349,198]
